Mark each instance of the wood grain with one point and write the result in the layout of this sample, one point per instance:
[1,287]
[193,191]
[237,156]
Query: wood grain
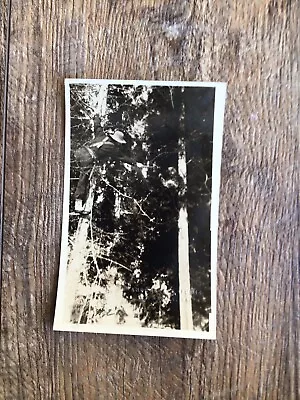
[3,84]
[255,48]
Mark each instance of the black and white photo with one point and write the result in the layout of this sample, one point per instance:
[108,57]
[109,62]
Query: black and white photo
[141,198]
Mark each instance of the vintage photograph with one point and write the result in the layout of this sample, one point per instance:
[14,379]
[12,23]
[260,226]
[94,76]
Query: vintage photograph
[141,197]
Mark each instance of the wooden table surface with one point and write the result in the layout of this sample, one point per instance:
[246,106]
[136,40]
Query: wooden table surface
[254,46]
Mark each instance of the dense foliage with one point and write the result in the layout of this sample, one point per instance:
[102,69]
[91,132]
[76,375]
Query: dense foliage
[134,223]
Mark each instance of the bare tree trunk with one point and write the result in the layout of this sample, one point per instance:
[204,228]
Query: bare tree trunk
[80,251]
[185,302]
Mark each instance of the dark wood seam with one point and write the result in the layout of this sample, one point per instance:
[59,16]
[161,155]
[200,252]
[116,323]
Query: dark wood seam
[4,121]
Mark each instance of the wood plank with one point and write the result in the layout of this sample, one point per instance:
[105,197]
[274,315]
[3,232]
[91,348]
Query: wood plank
[253,46]
[4,31]
[4,18]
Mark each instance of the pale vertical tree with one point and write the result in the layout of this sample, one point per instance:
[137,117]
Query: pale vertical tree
[185,302]
[80,252]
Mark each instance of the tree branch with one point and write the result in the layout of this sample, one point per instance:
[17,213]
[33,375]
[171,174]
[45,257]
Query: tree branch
[114,262]
[131,198]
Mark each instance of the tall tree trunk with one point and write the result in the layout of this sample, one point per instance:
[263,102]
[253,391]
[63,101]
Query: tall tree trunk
[80,251]
[185,302]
